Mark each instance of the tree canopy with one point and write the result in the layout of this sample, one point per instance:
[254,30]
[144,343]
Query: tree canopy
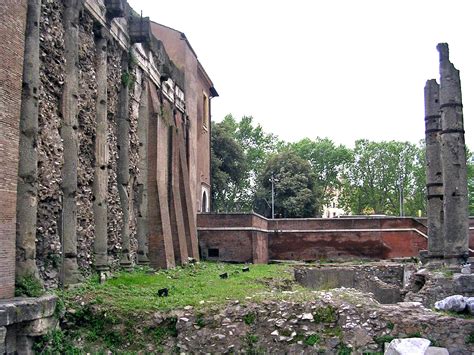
[294,187]
[385,177]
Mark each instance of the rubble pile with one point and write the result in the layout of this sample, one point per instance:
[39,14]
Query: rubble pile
[335,321]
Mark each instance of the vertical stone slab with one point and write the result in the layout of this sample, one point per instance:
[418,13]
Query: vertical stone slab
[161,252]
[100,185]
[70,272]
[453,155]
[186,200]
[142,218]
[123,174]
[12,26]
[176,210]
[434,176]
[27,189]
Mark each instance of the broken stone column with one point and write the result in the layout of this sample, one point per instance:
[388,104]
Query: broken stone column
[434,179]
[123,174]
[453,155]
[69,102]
[27,188]
[100,185]
[142,218]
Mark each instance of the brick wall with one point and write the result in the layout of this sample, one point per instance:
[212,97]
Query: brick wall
[12,28]
[249,237]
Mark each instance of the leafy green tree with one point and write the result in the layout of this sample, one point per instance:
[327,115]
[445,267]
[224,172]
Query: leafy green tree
[294,185]
[328,161]
[228,168]
[256,146]
[382,174]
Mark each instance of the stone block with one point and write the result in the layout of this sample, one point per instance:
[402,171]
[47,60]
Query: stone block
[26,309]
[38,327]
[463,283]
[435,350]
[456,303]
[408,346]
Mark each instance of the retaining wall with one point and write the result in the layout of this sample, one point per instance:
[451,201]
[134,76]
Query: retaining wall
[241,237]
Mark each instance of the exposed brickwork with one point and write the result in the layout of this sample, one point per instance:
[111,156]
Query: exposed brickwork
[249,237]
[12,27]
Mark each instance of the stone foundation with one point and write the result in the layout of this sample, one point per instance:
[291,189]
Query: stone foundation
[384,281]
[24,319]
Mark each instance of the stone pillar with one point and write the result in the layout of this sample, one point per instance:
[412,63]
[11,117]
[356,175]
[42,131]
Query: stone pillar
[453,155]
[69,103]
[434,180]
[27,190]
[123,174]
[100,184]
[142,218]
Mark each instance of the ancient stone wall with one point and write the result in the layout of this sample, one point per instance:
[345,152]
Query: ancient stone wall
[12,27]
[103,163]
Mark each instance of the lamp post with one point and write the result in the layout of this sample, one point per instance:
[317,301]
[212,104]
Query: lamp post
[272,179]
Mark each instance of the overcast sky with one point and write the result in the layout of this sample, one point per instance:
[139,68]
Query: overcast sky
[342,69]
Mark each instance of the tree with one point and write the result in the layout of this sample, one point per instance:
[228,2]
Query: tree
[328,161]
[294,187]
[228,168]
[256,146]
[383,176]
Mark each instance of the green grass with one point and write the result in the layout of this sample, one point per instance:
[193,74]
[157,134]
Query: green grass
[136,292]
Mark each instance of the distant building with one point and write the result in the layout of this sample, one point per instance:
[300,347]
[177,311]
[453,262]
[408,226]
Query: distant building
[333,210]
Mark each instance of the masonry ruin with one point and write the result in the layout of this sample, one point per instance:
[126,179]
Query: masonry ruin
[105,148]
[448,218]
[105,144]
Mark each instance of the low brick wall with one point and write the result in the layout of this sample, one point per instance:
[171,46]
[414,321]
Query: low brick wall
[241,237]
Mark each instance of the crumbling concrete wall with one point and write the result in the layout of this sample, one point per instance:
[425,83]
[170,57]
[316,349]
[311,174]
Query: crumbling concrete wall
[50,144]
[86,134]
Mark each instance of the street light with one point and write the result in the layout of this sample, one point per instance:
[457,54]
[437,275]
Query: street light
[272,180]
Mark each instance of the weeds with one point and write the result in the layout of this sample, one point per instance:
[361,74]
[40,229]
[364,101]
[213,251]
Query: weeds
[28,286]
[312,339]
[250,318]
[325,315]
